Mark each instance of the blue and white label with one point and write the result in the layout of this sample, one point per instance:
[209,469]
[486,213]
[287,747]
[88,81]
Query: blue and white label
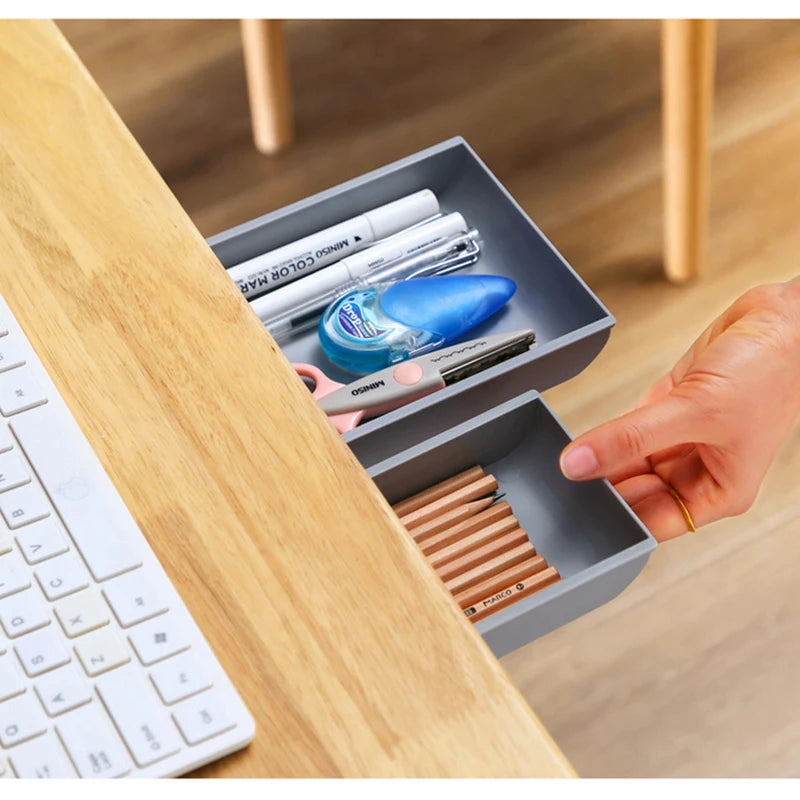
[352,320]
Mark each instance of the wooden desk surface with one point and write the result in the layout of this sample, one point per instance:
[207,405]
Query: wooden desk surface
[349,652]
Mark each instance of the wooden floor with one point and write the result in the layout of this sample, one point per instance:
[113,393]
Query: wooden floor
[692,671]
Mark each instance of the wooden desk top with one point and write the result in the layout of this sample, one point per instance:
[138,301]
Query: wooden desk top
[349,652]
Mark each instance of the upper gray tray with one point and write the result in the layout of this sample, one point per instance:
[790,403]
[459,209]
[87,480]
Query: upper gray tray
[571,324]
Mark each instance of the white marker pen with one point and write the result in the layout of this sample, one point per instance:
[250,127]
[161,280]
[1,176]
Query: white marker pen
[402,244]
[269,270]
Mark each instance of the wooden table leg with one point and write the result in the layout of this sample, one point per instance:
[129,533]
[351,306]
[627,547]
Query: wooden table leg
[267,83]
[688,96]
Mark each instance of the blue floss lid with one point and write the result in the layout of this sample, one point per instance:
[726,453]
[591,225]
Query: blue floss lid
[447,304]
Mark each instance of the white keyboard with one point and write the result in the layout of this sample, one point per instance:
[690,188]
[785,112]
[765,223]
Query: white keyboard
[103,672]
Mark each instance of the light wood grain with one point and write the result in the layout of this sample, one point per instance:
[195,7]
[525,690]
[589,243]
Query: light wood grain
[686,673]
[688,87]
[344,645]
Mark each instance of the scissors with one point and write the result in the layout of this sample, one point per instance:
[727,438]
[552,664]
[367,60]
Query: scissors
[347,404]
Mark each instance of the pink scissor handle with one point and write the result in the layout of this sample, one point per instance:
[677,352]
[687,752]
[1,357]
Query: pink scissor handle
[323,385]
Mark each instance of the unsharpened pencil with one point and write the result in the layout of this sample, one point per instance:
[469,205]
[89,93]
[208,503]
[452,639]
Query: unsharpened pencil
[494,584]
[491,567]
[438,490]
[472,491]
[511,594]
[475,543]
[452,534]
[471,541]
[449,519]
[482,555]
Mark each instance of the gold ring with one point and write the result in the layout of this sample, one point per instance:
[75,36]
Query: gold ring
[685,511]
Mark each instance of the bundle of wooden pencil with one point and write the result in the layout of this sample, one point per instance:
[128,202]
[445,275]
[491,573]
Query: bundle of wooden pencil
[475,543]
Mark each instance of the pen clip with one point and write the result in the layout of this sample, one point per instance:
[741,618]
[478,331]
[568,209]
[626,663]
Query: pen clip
[460,258]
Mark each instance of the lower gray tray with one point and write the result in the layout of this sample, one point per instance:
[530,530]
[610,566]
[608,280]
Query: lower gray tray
[585,530]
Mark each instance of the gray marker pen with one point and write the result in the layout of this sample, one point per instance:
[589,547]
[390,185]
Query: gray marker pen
[270,270]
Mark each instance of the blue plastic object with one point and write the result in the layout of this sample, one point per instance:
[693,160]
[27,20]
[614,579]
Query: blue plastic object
[371,329]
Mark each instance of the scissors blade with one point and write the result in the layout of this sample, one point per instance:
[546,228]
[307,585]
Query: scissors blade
[405,381]
[466,363]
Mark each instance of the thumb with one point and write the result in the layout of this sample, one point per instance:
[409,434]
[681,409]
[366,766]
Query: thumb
[632,437]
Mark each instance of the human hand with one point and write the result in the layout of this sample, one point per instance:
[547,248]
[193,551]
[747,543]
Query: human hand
[710,428]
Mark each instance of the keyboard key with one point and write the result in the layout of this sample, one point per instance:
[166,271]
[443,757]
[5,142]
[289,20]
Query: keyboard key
[202,717]
[21,718]
[132,600]
[158,639]
[92,743]
[6,440]
[24,505]
[41,540]
[101,651]
[41,651]
[82,613]
[132,704]
[5,542]
[11,683]
[62,690]
[10,355]
[13,472]
[179,677]
[42,758]
[13,575]
[98,522]
[22,613]
[61,576]
[19,391]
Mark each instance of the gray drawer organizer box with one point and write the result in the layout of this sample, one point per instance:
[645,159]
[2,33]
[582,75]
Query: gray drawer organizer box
[497,417]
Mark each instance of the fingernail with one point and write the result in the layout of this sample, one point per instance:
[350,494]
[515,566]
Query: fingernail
[579,462]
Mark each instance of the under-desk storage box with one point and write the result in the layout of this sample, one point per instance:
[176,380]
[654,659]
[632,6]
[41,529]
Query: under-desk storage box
[494,418]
